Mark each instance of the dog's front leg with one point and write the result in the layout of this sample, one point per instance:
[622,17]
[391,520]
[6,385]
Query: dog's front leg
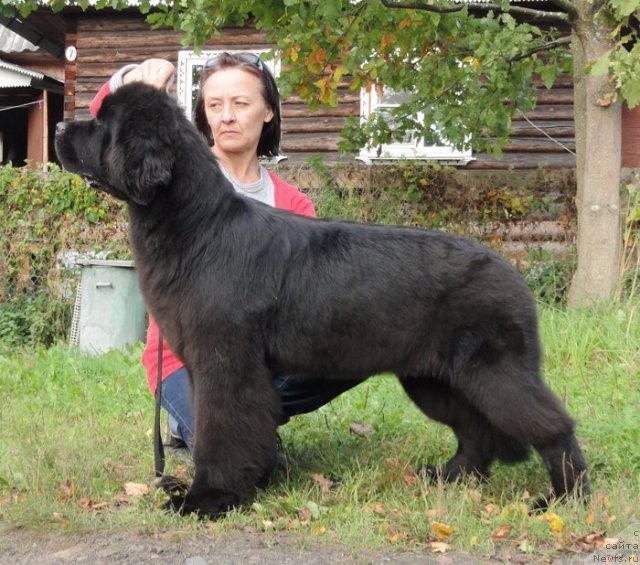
[235,421]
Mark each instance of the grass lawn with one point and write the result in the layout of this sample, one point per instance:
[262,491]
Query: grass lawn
[76,455]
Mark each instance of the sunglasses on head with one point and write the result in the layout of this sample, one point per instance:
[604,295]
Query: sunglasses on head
[248,58]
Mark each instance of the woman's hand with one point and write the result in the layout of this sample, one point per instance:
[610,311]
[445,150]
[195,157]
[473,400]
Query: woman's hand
[156,72]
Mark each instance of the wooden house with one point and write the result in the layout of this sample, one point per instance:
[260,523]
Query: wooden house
[31,99]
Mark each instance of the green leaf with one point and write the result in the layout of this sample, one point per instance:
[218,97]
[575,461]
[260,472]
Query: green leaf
[548,75]
[625,7]
[631,93]
[601,65]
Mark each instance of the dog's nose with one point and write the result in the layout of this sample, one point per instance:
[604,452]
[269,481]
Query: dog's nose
[60,127]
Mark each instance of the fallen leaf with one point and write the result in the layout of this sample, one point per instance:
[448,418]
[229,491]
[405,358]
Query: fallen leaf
[121,499]
[526,546]
[410,478]
[491,509]
[591,541]
[391,462]
[89,504]
[136,489]
[305,514]
[395,535]
[555,522]
[67,490]
[501,532]
[58,516]
[439,546]
[441,531]
[376,508]
[324,483]
[360,428]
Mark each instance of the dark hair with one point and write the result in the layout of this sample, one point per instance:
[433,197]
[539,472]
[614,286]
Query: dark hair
[269,143]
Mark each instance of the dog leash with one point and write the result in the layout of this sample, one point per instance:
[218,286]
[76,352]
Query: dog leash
[158,447]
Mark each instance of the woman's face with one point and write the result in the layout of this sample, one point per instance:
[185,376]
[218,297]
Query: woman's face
[235,110]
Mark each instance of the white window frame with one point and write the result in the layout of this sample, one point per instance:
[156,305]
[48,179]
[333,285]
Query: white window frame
[187,60]
[416,149]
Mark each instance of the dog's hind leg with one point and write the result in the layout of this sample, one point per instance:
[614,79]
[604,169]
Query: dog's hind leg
[235,422]
[566,466]
[516,400]
[479,442]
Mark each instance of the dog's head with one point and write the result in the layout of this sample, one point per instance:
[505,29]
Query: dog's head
[128,150]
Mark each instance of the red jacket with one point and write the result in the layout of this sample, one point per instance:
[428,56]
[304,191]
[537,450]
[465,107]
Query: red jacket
[287,197]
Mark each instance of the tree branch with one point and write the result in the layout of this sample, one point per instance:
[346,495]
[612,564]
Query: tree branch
[422,6]
[545,47]
[537,15]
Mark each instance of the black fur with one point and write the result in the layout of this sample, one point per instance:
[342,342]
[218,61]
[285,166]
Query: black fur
[243,292]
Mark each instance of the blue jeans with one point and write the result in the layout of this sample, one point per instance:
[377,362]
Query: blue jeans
[299,395]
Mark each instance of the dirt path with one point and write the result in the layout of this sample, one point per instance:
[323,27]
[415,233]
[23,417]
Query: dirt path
[27,548]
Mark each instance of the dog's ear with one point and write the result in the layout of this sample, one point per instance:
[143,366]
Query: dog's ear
[149,159]
[145,130]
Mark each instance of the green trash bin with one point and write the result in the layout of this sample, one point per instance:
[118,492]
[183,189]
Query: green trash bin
[110,312]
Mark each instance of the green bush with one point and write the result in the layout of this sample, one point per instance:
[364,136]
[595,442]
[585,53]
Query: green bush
[44,214]
[548,276]
[32,320]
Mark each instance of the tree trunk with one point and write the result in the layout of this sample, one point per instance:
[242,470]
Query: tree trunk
[598,148]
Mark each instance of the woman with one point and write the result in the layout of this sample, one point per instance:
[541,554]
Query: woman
[238,113]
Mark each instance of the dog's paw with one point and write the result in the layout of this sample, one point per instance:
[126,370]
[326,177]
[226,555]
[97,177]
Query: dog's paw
[542,503]
[178,504]
[175,505]
[205,508]
[430,472]
[173,485]
[450,473]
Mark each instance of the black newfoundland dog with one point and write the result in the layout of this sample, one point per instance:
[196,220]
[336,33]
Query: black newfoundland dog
[243,292]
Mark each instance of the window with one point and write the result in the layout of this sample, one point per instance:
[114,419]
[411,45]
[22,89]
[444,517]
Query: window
[409,147]
[190,67]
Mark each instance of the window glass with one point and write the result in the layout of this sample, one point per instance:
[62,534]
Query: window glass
[410,146]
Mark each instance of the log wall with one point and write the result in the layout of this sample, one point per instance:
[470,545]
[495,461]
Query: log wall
[105,43]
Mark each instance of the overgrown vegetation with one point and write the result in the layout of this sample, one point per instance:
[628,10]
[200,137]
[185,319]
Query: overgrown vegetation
[76,455]
[437,196]
[44,215]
